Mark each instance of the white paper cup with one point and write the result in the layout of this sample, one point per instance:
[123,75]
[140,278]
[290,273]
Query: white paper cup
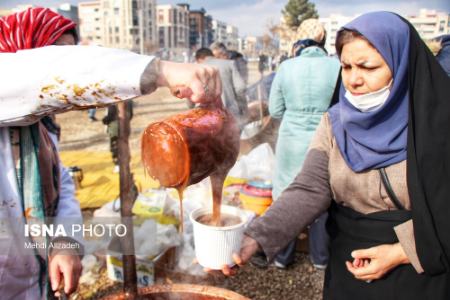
[214,246]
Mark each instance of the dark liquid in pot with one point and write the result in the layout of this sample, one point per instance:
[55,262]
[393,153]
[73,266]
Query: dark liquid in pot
[225,220]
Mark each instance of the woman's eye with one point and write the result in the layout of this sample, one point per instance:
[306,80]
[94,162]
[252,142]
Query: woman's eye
[370,68]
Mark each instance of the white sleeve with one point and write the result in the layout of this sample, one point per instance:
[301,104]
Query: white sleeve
[53,79]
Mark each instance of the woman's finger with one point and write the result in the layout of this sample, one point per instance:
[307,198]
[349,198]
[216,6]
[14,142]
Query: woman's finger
[363,270]
[237,259]
[365,253]
[366,262]
[226,270]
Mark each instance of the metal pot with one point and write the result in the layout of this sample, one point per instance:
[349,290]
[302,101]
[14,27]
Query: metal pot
[182,292]
[188,147]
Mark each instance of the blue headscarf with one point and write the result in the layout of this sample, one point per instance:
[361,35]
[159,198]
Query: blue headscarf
[369,140]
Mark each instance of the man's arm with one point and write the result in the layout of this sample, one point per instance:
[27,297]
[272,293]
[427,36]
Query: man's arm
[54,79]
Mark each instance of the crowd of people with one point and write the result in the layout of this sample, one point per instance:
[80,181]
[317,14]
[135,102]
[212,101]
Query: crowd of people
[363,150]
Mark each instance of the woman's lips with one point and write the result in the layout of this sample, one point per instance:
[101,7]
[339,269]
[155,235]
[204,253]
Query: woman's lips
[357,94]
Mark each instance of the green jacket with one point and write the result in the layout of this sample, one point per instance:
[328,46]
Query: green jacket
[301,92]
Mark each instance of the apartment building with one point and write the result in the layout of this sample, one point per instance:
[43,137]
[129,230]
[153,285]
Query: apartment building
[173,26]
[227,34]
[430,23]
[219,31]
[130,24]
[332,24]
[232,37]
[200,29]
[91,24]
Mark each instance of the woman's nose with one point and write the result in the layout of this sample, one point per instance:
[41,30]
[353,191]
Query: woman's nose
[356,78]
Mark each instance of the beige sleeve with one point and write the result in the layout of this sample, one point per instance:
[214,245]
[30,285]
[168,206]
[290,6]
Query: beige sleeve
[322,138]
[405,234]
[306,198]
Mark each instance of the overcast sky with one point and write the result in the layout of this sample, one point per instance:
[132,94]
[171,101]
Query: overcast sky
[252,16]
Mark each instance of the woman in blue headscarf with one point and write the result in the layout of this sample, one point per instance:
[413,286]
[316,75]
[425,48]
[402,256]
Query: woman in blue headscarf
[380,164]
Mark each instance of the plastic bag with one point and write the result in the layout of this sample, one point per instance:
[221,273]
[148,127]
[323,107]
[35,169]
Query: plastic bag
[258,164]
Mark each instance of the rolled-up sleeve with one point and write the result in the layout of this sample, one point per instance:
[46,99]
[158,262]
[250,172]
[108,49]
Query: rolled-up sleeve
[53,79]
[405,235]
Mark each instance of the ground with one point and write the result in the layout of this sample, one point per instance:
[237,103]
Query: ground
[301,281]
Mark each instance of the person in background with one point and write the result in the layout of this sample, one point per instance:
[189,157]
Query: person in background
[301,93]
[54,196]
[233,86]
[443,55]
[283,57]
[262,64]
[91,114]
[379,163]
[112,128]
[219,50]
[241,64]
[34,187]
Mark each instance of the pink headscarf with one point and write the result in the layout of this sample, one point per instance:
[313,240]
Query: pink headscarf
[32,28]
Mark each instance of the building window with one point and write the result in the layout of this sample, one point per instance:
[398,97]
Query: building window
[175,19]
[116,29]
[117,40]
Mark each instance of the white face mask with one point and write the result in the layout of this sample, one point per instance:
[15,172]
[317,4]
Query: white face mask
[370,101]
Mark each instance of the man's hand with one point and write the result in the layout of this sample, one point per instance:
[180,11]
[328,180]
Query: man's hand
[65,266]
[373,263]
[199,83]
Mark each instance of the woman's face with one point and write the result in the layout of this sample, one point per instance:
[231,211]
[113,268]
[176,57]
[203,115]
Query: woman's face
[363,68]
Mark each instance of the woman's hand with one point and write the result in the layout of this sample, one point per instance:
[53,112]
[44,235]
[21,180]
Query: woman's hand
[197,82]
[249,247]
[373,263]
